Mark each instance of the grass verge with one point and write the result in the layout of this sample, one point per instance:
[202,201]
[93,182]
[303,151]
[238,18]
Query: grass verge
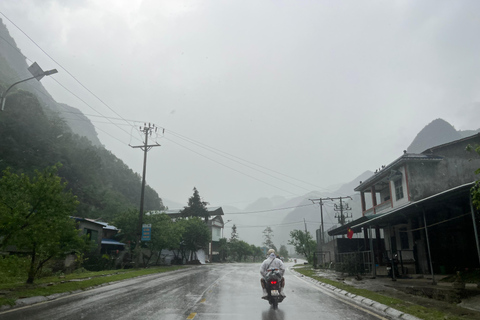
[404,306]
[10,292]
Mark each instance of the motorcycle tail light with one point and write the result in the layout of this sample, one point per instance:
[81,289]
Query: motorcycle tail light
[273,282]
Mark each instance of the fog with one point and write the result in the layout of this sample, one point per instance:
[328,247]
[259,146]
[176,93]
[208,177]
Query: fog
[256,98]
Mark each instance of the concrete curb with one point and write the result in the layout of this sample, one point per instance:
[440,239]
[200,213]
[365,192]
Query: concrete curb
[370,304]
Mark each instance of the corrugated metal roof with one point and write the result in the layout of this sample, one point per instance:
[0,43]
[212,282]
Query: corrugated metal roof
[214,211]
[112,242]
[104,224]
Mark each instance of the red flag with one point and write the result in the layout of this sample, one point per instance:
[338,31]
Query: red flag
[350,233]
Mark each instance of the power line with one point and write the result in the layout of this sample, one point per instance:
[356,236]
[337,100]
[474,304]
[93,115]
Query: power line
[247,161]
[68,72]
[270,210]
[274,225]
[224,165]
[65,88]
[231,158]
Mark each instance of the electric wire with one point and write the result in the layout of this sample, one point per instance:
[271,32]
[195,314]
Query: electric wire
[271,225]
[68,90]
[270,210]
[230,157]
[241,159]
[197,143]
[224,165]
[120,117]
[68,72]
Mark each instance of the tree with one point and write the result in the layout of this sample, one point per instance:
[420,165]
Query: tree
[256,252]
[196,207]
[268,235]
[243,250]
[283,252]
[163,235]
[223,249]
[35,217]
[127,223]
[303,243]
[234,234]
[196,235]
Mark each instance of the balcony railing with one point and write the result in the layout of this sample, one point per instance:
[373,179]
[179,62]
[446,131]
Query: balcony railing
[379,208]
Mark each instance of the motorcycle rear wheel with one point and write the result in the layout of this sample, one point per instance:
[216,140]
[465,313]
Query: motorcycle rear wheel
[275,304]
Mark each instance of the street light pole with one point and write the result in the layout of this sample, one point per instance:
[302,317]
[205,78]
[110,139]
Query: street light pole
[37,73]
[224,226]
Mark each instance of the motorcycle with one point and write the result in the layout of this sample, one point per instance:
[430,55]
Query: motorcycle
[391,271]
[273,282]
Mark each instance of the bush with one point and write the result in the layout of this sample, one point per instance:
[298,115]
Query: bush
[96,262]
[13,268]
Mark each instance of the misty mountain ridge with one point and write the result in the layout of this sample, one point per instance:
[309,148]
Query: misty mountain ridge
[13,67]
[36,132]
[436,133]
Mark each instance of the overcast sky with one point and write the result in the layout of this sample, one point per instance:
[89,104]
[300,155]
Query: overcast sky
[319,91]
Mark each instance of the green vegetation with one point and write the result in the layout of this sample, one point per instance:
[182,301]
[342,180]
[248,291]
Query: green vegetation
[304,244]
[32,140]
[466,276]
[60,284]
[235,249]
[35,218]
[268,238]
[404,306]
[196,207]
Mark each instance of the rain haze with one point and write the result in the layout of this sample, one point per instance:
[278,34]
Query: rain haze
[256,98]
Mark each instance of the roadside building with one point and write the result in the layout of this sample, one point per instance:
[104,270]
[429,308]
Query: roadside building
[100,233]
[422,204]
[215,223]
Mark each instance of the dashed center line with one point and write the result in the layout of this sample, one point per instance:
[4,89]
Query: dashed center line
[192,315]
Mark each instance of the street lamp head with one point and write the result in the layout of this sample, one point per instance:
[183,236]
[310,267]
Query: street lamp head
[36,72]
[49,72]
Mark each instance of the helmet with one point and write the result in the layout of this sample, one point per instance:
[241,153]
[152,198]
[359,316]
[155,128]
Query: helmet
[271,251]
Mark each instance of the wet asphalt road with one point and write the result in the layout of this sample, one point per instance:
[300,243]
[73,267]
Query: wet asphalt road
[229,291]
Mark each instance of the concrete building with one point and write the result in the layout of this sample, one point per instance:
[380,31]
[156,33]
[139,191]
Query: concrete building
[422,203]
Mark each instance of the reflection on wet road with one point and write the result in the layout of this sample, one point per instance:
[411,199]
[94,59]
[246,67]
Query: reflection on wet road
[226,291]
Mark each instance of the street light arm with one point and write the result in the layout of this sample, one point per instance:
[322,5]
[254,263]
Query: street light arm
[5,93]
[38,77]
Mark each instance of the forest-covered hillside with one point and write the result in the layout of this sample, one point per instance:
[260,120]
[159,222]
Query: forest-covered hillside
[33,135]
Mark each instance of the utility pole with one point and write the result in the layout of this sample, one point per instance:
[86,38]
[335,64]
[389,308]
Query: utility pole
[320,202]
[322,236]
[341,208]
[147,130]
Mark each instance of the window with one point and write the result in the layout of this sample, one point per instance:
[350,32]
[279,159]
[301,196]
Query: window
[91,234]
[398,189]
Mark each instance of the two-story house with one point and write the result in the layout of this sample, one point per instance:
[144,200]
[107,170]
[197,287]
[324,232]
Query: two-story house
[215,224]
[422,203]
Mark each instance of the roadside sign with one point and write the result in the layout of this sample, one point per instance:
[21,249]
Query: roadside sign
[146,232]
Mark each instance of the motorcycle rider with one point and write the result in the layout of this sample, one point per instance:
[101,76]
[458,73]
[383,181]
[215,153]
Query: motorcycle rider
[272,262]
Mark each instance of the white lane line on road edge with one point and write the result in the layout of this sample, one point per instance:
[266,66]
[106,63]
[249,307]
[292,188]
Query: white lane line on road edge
[339,297]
